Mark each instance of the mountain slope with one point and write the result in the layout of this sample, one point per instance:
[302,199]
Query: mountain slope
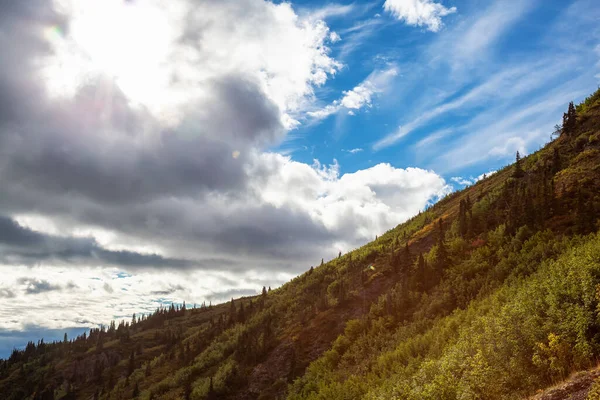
[491,293]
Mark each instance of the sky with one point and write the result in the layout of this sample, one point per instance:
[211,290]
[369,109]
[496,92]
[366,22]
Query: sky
[199,151]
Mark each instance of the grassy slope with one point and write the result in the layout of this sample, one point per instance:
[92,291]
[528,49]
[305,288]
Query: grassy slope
[487,323]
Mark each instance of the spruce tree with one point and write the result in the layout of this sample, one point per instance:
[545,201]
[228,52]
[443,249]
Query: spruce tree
[518,173]
[131,365]
[232,312]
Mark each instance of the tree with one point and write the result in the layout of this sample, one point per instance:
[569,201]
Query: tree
[518,173]
[136,391]
[187,389]
[211,390]
[241,313]
[232,312]
[442,255]
[462,218]
[131,365]
[558,128]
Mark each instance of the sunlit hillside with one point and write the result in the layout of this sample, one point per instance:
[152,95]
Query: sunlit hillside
[491,293]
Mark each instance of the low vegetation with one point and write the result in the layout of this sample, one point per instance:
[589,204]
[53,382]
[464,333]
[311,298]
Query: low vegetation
[492,293]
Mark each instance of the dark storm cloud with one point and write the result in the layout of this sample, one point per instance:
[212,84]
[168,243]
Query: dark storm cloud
[93,159]
[95,145]
[19,244]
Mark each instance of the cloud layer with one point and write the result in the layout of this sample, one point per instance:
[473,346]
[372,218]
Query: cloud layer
[133,175]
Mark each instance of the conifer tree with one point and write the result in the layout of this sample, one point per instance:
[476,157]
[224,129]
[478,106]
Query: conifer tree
[518,173]
[131,365]
[232,312]
[241,313]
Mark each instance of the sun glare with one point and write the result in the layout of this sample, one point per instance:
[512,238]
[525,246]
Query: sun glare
[127,41]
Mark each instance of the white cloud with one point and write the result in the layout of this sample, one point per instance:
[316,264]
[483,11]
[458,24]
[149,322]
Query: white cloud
[354,151]
[472,40]
[332,11]
[361,96]
[507,84]
[186,54]
[471,180]
[334,37]
[359,204]
[419,12]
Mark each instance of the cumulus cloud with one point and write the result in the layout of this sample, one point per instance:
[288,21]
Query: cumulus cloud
[419,12]
[104,171]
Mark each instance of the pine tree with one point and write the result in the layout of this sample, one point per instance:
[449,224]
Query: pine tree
[518,173]
[232,312]
[241,313]
[131,365]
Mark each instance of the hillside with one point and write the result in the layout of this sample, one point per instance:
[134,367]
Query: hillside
[492,293]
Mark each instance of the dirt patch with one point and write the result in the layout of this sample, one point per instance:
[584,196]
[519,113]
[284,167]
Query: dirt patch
[576,388]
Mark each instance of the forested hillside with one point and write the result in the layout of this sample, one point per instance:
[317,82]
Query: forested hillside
[492,293]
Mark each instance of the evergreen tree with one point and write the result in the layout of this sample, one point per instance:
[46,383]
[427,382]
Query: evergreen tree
[241,313]
[232,312]
[518,173]
[131,365]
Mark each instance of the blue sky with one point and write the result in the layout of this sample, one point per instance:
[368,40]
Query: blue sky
[226,145]
[493,79]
